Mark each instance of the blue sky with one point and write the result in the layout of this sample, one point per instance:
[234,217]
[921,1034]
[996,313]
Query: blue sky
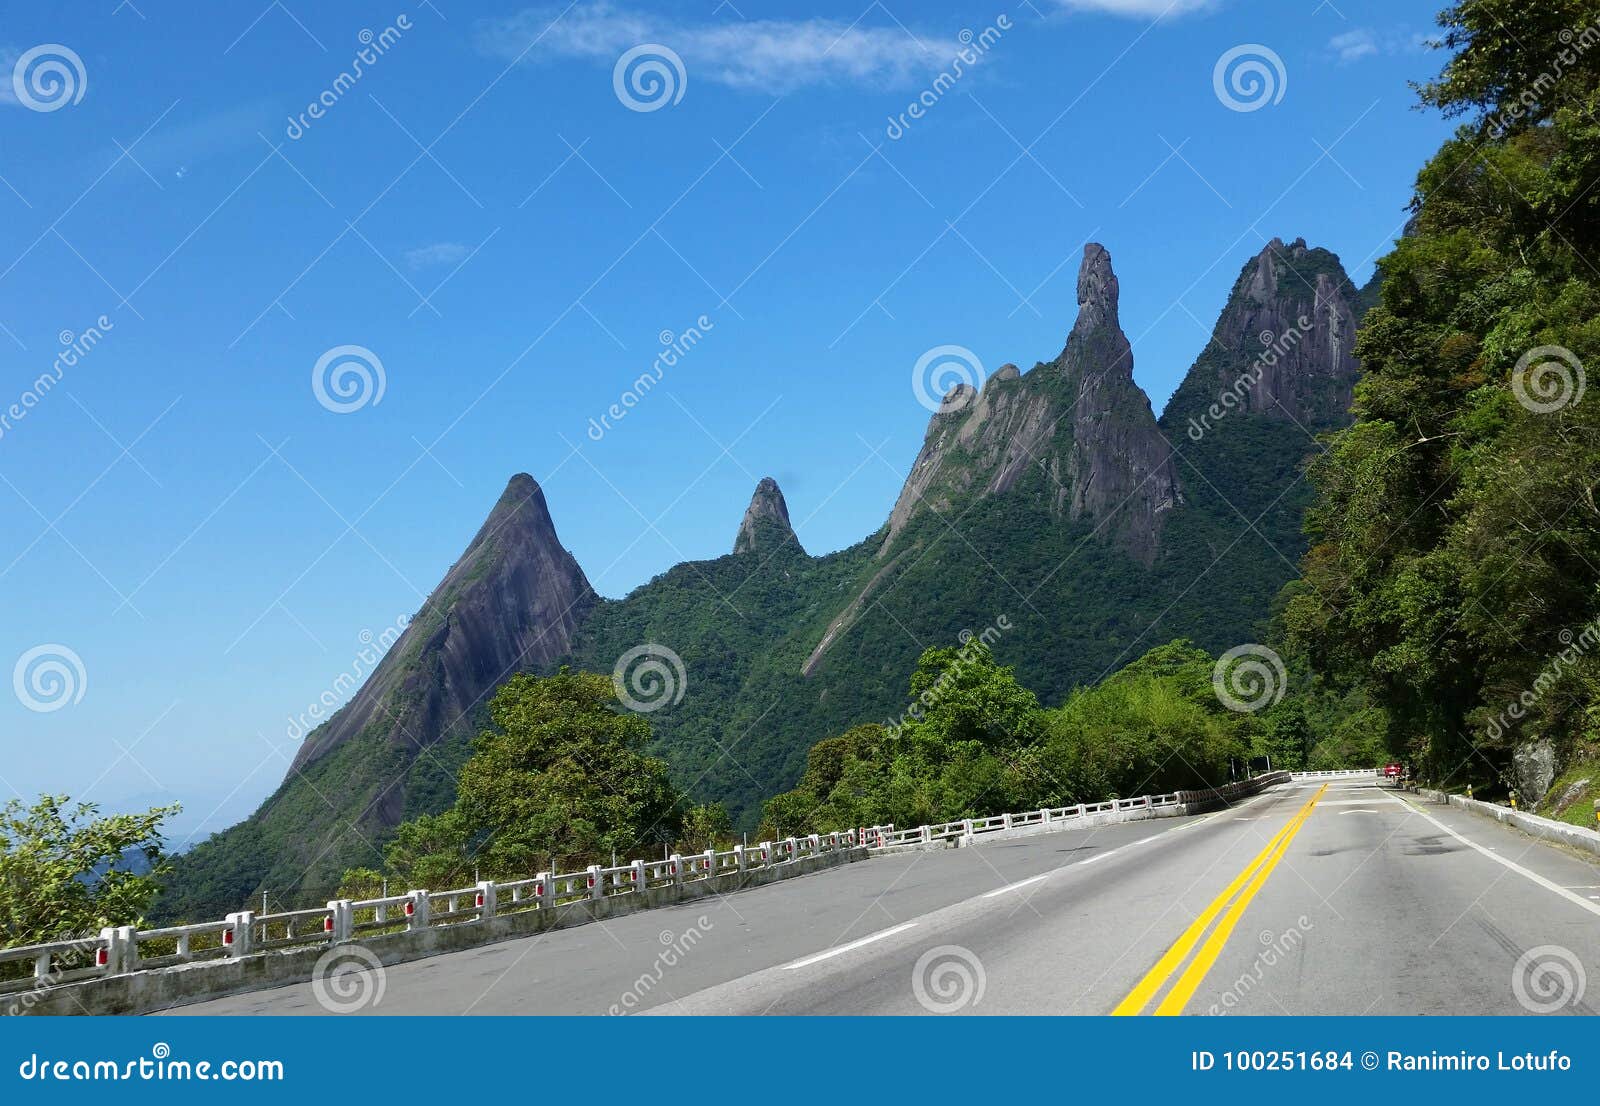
[484,212]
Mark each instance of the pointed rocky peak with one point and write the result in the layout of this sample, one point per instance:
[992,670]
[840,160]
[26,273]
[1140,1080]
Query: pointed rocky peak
[1283,346]
[766,521]
[512,601]
[1097,289]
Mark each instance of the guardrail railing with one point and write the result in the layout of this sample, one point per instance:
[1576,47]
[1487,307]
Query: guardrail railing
[124,949]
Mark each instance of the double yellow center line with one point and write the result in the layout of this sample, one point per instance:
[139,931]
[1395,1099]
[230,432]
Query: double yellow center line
[1234,899]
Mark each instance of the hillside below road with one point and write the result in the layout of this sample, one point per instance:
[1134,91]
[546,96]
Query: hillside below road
[1336,898]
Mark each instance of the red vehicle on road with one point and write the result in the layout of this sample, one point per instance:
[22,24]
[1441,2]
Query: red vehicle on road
[1393,771]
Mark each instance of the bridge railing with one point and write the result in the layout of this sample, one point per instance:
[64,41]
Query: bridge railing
[127,949]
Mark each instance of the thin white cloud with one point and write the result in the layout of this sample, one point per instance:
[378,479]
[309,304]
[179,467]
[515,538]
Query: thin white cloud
[1354,45]
[439,253]
[1140,9]
[772,55]
[1365,42]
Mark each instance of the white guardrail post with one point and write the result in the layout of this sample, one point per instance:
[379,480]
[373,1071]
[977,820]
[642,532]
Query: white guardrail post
[343,919]
[416,910]
[739,858]
[239,936]
[486,900]
[675,866]
[597,888]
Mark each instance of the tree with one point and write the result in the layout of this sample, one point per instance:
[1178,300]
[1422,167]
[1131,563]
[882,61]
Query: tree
[68,872]
[705,827]
[1456,533]
[560,779]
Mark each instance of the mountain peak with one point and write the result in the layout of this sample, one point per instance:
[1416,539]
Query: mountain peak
[1097,289]
[1282,346]
[766,520]
[512,600]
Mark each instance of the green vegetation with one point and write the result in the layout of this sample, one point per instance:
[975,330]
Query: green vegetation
[1453,576]
[978,743]
[558,780]
[68,872]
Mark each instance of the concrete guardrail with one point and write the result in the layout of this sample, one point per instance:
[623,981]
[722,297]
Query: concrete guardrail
[125,970]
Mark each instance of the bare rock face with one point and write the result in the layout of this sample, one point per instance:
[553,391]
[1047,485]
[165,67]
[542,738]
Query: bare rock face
[1283,345]
[766,521]
[1081,421]
[512,602]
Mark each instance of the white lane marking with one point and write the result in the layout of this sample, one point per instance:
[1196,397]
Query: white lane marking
[867,940]
[1362,810]
[1014,886]
[1549,885]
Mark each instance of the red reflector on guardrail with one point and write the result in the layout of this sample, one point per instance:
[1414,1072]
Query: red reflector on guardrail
[327,925]
[480,898]
[634,875]
[102,957]
[705,864]
[227,937]
[672,869]
[591,881]
[411,909]
[538,890]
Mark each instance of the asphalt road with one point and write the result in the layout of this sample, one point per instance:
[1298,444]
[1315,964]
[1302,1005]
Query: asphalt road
[1309,899]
